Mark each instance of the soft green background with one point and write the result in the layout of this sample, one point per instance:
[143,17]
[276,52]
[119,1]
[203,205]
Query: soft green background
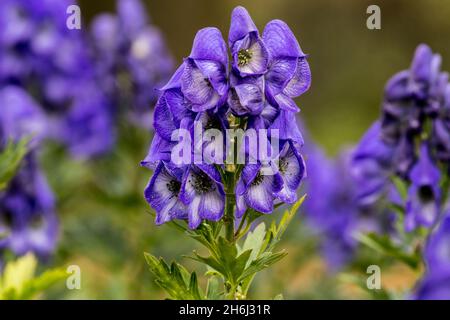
[106,225]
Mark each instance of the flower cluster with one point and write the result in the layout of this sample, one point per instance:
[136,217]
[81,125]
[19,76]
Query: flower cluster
[251,87]
[410,142]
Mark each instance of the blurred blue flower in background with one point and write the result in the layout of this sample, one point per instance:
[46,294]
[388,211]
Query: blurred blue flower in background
[131,57]
[64,85]
[27,215]
[408,143]
[28,221]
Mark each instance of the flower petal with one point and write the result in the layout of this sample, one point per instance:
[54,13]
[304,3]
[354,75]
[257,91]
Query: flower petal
[212,205]
[301,81]
[162,119]
[209,45]
[280,41]
[260,197]
[241,25]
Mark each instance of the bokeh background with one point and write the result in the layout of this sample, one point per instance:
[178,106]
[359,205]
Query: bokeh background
[106,224]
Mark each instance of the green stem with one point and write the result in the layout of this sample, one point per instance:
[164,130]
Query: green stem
[241,224]
[229,207]
[231,295]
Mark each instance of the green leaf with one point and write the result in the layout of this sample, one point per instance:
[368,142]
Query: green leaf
[401,186]
[41,283]
[194,288]
[263,262]
[254,242]
[213,291]
[384,245]
[19,281]
[209,261]
[206,234]
[228,262]
[287,218]
[175,280]
[275,232]
[10,160]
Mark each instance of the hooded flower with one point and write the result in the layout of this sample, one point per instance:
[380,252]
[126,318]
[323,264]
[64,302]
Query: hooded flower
[162,193]
[203,194]
[250,56]
[27,217]
[422,207]
[257,189]
[291,167]
[204,78]
[288,73]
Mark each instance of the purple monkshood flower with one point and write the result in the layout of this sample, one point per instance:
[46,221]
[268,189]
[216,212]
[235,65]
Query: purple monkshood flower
[247,96]
[162,193]
[204,77]
[288,73]
[27,218]
[267,72]
[204,92]
[203,194]
[436,283]
[292,170]
[415,109]
[193,193]
[259,189]
[423,204]
[250,56]
[196,92]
